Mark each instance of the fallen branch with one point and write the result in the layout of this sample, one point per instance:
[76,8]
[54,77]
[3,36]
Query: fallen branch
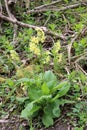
[47,31]
[0,19]
[47,5]
[8,10]
[6,121]
[38,9]
[80,68]
[12,17]
[69,47]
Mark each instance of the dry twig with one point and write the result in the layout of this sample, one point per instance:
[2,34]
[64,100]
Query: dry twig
[15,21]
[47,5]
[12,17]
[72,41]
[38,9]
[0,19]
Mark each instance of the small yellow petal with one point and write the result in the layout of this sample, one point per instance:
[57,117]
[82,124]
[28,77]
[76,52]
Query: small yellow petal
[34,40]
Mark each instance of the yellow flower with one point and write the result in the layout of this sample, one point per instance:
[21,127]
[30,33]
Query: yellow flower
[42,39]
[34,48]
[37,51]
[34,40]
[40,35]
[47,59]
[57,46]
[14,55]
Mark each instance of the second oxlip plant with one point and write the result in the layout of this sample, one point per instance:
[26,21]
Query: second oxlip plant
[44,94]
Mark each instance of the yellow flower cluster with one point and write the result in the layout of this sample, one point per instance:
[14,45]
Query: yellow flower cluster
[47,57]
[56,49]
[34,41]
[34,48]
[14,55]
[57,46]
[40,35]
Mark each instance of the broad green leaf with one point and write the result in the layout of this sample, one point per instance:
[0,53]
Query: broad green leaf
[65,101]
[48,109]
[29,110]
[22,99]
[56,109]
[45,89]
[34,93]
[47,120]
[59,86]
[26,112]
[51,84]
[48,76]
[62,91]
[52,109]
[44,98]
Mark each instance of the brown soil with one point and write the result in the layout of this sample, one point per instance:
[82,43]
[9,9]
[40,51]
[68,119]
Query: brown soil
[16,125]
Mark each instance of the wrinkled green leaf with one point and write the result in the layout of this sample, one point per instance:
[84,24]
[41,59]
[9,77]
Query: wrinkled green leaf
[51,84]
[29,110]
[56,109]
[47,120]
[45,89]
[59,86]
[44,98]
[62,91]
[34,93]
[48,76]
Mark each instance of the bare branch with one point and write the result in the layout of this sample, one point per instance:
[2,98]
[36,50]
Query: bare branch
[7,9]
[0,19]
[36,10]
[47,5]
[14,21]
[11,16]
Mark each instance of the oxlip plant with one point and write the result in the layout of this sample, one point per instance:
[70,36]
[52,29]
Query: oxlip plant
[44,94]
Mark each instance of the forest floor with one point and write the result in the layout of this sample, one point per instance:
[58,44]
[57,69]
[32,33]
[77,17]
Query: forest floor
[43,65]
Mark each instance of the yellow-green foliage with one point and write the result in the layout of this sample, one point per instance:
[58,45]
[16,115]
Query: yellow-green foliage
[2,79]
[14,55]
[55,51]
[35,40]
